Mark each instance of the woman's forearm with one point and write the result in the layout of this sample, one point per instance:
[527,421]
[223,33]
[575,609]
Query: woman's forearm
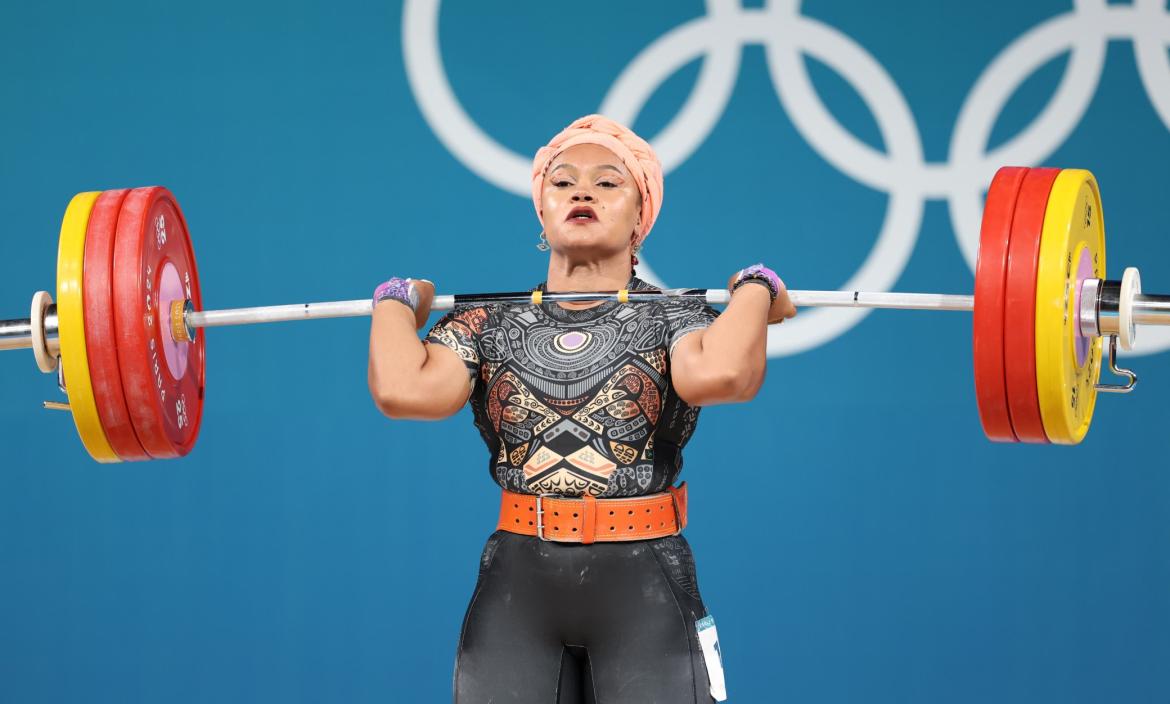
[397,355]
[736,343]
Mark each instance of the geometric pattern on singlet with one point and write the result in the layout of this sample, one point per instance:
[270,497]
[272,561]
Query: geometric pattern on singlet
[575,402]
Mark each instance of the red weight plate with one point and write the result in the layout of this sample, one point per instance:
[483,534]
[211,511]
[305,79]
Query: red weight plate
[990,283]
[1019,330]
[100,341]
[154,264]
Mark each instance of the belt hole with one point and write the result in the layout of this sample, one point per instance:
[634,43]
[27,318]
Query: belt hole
[631,512]
[574,530]
[612,527]
[517,520]
[530,523]
[556,527]
[515,505]
[574,515]
[556,513]
[611,513]
[662,524]
[647,526]
[531,508]
[631,527]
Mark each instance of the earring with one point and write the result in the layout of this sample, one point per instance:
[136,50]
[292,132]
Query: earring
[542,245]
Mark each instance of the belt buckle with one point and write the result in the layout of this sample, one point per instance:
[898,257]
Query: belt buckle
[540,513]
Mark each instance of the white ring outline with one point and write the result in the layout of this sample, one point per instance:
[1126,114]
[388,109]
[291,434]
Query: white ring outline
[718,37]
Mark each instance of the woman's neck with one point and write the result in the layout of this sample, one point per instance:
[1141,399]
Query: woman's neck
[606,275]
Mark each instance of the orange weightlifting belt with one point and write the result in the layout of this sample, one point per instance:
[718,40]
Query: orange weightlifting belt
[588,519]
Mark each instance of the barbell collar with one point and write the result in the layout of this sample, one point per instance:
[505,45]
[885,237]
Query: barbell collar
[1108,309]
[1089,314]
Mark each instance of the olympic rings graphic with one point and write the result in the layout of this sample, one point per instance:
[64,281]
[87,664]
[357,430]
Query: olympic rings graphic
[901,171]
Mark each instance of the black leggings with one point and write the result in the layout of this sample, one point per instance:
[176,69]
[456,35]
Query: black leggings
[560,623]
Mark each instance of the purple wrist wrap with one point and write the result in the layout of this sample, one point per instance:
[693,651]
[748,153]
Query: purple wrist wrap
[761,274]
[401,290]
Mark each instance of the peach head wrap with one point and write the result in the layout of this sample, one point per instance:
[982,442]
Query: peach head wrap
[635,153]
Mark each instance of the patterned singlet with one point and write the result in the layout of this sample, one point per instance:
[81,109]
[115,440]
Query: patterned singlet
[576,402]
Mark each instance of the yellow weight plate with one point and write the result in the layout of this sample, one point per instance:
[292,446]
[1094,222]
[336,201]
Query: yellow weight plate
[1072,249]
[71,327]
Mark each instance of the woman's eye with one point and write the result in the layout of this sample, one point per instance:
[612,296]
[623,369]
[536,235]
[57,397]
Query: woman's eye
[561,183]
[607,184]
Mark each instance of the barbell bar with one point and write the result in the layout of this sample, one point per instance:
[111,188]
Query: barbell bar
[1100,316]
[122,335]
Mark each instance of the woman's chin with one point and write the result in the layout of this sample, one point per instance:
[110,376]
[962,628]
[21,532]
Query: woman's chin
[585,237]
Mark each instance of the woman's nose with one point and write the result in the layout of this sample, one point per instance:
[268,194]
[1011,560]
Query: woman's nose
[582,195]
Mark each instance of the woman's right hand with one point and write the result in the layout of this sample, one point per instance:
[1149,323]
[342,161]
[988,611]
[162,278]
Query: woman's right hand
[416,294]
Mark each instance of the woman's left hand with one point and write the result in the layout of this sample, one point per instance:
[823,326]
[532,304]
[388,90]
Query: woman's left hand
[781,308]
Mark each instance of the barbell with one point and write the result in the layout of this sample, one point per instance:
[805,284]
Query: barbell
[123,334]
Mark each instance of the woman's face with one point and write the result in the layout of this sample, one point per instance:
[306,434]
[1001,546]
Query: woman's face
[591,205]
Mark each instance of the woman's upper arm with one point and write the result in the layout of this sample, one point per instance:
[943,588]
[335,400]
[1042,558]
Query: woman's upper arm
[697,379]
[445,383]
[693,378]
[447,377]
[702,380]
[437,390]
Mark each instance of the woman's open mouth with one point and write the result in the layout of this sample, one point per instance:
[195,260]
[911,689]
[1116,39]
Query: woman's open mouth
[581,214]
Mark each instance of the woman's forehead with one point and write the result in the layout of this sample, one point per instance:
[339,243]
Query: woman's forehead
[588,156]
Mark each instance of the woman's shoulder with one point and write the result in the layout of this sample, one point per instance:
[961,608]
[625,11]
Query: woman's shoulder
[472,315]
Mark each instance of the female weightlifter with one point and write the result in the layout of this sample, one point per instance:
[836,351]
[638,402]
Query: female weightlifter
[586,591]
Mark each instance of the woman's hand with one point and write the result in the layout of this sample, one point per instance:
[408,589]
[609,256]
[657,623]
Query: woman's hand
[416,294]
[781,308]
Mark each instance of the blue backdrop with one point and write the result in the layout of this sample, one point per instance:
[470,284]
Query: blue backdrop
[857,537]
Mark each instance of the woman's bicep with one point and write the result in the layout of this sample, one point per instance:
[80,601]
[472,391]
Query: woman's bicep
[441,387]
[693,380]
[446,380]
[703,379]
